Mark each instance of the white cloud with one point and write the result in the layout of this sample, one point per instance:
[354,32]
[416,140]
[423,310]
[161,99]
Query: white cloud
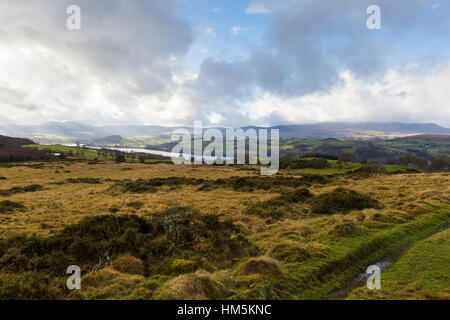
[238,30]
[404,94]
[214,118]
[257,8]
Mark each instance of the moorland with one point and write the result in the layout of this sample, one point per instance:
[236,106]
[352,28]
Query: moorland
[149,229]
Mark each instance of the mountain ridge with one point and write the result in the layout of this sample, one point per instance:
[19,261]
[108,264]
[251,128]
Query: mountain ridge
[71,131]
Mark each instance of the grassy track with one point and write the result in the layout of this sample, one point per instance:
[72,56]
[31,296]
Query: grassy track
[422,273]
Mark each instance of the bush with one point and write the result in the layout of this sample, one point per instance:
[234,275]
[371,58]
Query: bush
[342,200]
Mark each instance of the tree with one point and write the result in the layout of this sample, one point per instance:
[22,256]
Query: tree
[440,163]
[120,157]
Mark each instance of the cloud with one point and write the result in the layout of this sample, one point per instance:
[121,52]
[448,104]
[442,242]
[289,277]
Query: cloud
[238,30]
[316,62]
[407,93]
[124,65]
[256,8]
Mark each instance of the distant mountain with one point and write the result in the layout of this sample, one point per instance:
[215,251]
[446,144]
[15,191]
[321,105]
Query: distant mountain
[359,130]
[70,132]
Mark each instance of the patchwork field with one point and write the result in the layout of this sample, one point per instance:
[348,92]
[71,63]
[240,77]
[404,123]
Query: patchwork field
[163,231]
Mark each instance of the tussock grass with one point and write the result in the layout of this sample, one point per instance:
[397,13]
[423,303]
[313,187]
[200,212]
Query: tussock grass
[129,264]
[295,251]
[196,286]
[207,229]
[261,265]
[15,190]
[7,206]
[342,200]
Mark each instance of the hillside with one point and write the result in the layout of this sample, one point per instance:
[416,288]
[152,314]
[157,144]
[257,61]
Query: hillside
[11,149]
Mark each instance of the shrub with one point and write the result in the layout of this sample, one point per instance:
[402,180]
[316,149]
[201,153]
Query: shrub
[342,200]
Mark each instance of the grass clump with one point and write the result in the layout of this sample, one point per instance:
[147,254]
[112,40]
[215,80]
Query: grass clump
[196,286]
[15,190]
[261,265]
[152,185]
[276,208]
[135,205]
[129,264]
[345,228]
[7,206]
[84,180]
[342,200]
[299,195]
[295,251]
[179,266]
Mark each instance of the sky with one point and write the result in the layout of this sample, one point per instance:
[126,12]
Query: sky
[224,62]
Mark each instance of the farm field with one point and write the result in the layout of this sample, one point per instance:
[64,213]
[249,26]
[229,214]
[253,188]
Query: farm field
[163,231]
